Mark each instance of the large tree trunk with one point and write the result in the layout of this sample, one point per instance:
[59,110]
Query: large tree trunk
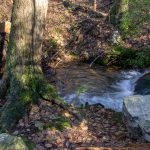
[23,74]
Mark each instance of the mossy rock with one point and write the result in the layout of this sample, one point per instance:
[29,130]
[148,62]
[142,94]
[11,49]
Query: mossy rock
[10,142]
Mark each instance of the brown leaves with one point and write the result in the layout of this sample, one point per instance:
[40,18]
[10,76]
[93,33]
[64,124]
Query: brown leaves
[97,128]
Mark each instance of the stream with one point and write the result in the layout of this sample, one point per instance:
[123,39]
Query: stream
[79,84]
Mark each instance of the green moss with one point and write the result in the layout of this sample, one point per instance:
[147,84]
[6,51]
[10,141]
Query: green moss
[129,16]
[47,90]
[11,114]
[60,123]
[10,57]
[58,30]
[53,43]
[113,13]
[29,144]
[117,117]
[22,92]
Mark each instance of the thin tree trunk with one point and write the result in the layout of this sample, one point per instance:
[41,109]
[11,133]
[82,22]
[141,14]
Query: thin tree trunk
[95,5]
[118,11]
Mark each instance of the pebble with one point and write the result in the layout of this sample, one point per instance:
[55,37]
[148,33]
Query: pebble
[28,130]
[15,132]
[48,145]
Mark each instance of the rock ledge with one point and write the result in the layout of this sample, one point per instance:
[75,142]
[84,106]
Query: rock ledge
[136,110]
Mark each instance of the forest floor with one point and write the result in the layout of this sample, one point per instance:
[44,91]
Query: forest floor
[79,31]
[50,127]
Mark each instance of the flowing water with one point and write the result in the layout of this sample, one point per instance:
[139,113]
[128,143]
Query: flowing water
[79,84]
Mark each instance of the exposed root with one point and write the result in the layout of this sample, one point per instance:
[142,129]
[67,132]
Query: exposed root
[23,91]
[62,106]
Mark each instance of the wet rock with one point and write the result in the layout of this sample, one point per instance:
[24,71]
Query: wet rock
[9,142]
[48,145]
[136,110]
[142,85]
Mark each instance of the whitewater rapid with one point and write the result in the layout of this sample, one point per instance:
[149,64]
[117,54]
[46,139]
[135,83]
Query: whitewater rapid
[112,99]
[102,86]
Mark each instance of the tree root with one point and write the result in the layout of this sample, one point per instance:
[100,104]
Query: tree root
[24,91]
[62,106]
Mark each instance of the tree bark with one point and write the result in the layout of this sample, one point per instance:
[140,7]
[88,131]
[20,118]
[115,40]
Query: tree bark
[118,11]
[23,73]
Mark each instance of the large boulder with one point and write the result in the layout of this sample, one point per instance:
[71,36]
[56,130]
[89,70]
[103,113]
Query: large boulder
[9,142]
[136,110]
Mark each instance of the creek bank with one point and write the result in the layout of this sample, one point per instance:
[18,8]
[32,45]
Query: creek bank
[136,110]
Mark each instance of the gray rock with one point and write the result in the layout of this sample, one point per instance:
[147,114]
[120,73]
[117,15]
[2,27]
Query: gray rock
[9,142]
[116,38]
[136,110]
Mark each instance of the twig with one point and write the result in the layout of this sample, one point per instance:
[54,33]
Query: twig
[96,59]
[112,61]
[54,56]
[58,63]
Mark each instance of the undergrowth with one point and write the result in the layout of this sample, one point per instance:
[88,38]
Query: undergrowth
[128,57]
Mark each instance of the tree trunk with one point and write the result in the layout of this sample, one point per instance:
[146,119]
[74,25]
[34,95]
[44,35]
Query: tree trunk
[95,5]
[23,73]
[118,12]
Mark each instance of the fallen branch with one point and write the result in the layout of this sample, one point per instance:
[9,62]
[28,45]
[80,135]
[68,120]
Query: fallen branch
[58,63]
